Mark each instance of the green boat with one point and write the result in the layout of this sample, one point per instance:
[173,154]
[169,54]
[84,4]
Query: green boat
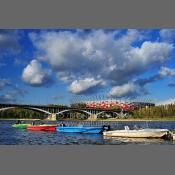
[20,126]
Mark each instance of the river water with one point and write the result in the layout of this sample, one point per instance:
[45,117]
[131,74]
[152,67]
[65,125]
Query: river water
[13,136]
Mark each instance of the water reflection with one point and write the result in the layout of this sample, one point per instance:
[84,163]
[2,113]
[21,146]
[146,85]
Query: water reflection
[135,140]
[12,136]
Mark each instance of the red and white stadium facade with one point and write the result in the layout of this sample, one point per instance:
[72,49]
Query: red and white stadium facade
[106,104]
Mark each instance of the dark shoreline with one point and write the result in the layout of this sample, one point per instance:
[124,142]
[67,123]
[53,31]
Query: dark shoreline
[106,120]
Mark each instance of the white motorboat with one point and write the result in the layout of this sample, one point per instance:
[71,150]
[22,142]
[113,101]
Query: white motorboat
[138,133]
[136,140]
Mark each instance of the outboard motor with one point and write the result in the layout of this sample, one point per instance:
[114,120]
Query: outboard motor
[168,136]
[106,127]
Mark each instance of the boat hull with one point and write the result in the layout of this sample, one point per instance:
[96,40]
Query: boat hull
[20,126]
[142,133]
[42,127]
[80,129]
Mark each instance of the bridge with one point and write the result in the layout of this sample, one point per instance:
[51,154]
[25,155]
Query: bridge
[54,111]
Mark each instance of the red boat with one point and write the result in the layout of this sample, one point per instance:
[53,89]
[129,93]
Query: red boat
[42,127]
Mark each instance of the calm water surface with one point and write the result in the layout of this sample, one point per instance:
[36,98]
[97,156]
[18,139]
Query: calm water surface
[12,136]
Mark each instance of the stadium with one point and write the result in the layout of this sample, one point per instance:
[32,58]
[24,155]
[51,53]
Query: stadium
[109,104]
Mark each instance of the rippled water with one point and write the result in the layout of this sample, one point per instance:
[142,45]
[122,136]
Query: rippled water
[12,136]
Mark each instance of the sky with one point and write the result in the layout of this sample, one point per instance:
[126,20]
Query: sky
[61,66]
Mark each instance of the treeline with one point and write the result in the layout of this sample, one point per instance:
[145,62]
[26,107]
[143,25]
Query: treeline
[78,105]
[21,113]
[30,114]
[54,105]
[162,111]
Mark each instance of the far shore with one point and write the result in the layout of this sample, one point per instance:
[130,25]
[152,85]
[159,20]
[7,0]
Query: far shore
[101,120]
[17,119]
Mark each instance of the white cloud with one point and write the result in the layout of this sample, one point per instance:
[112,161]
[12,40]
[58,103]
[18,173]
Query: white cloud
[150,52]
[123,90]
[35,75]
[85,85]
[65,76]
[165,71]
[96,53]
[99,55]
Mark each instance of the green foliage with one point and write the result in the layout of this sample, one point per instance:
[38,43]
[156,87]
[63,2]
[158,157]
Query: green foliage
[162,111]
[20,113]
[78,105]
[56,105]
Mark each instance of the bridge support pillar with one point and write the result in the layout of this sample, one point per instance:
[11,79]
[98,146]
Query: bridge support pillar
[52,117]
[92,117]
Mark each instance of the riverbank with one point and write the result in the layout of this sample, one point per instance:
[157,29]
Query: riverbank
[126,119]
[135,120]
[107,120]
[18,119]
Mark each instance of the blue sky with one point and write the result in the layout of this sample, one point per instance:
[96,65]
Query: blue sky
[59,66]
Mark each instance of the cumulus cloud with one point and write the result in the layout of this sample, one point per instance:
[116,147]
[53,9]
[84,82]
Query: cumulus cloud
[125,90]
[34,75]
[150,52]
[93,54]
[165,71]
[65,76]
[87,85]
[138,60]
[137,87]
[76,56]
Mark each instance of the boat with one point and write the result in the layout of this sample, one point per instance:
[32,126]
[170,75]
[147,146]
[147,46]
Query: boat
[136,140]
[80,129]
[20,126]
[139,133]
[44,127]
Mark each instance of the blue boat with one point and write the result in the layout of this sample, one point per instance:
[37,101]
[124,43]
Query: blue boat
[80,129]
